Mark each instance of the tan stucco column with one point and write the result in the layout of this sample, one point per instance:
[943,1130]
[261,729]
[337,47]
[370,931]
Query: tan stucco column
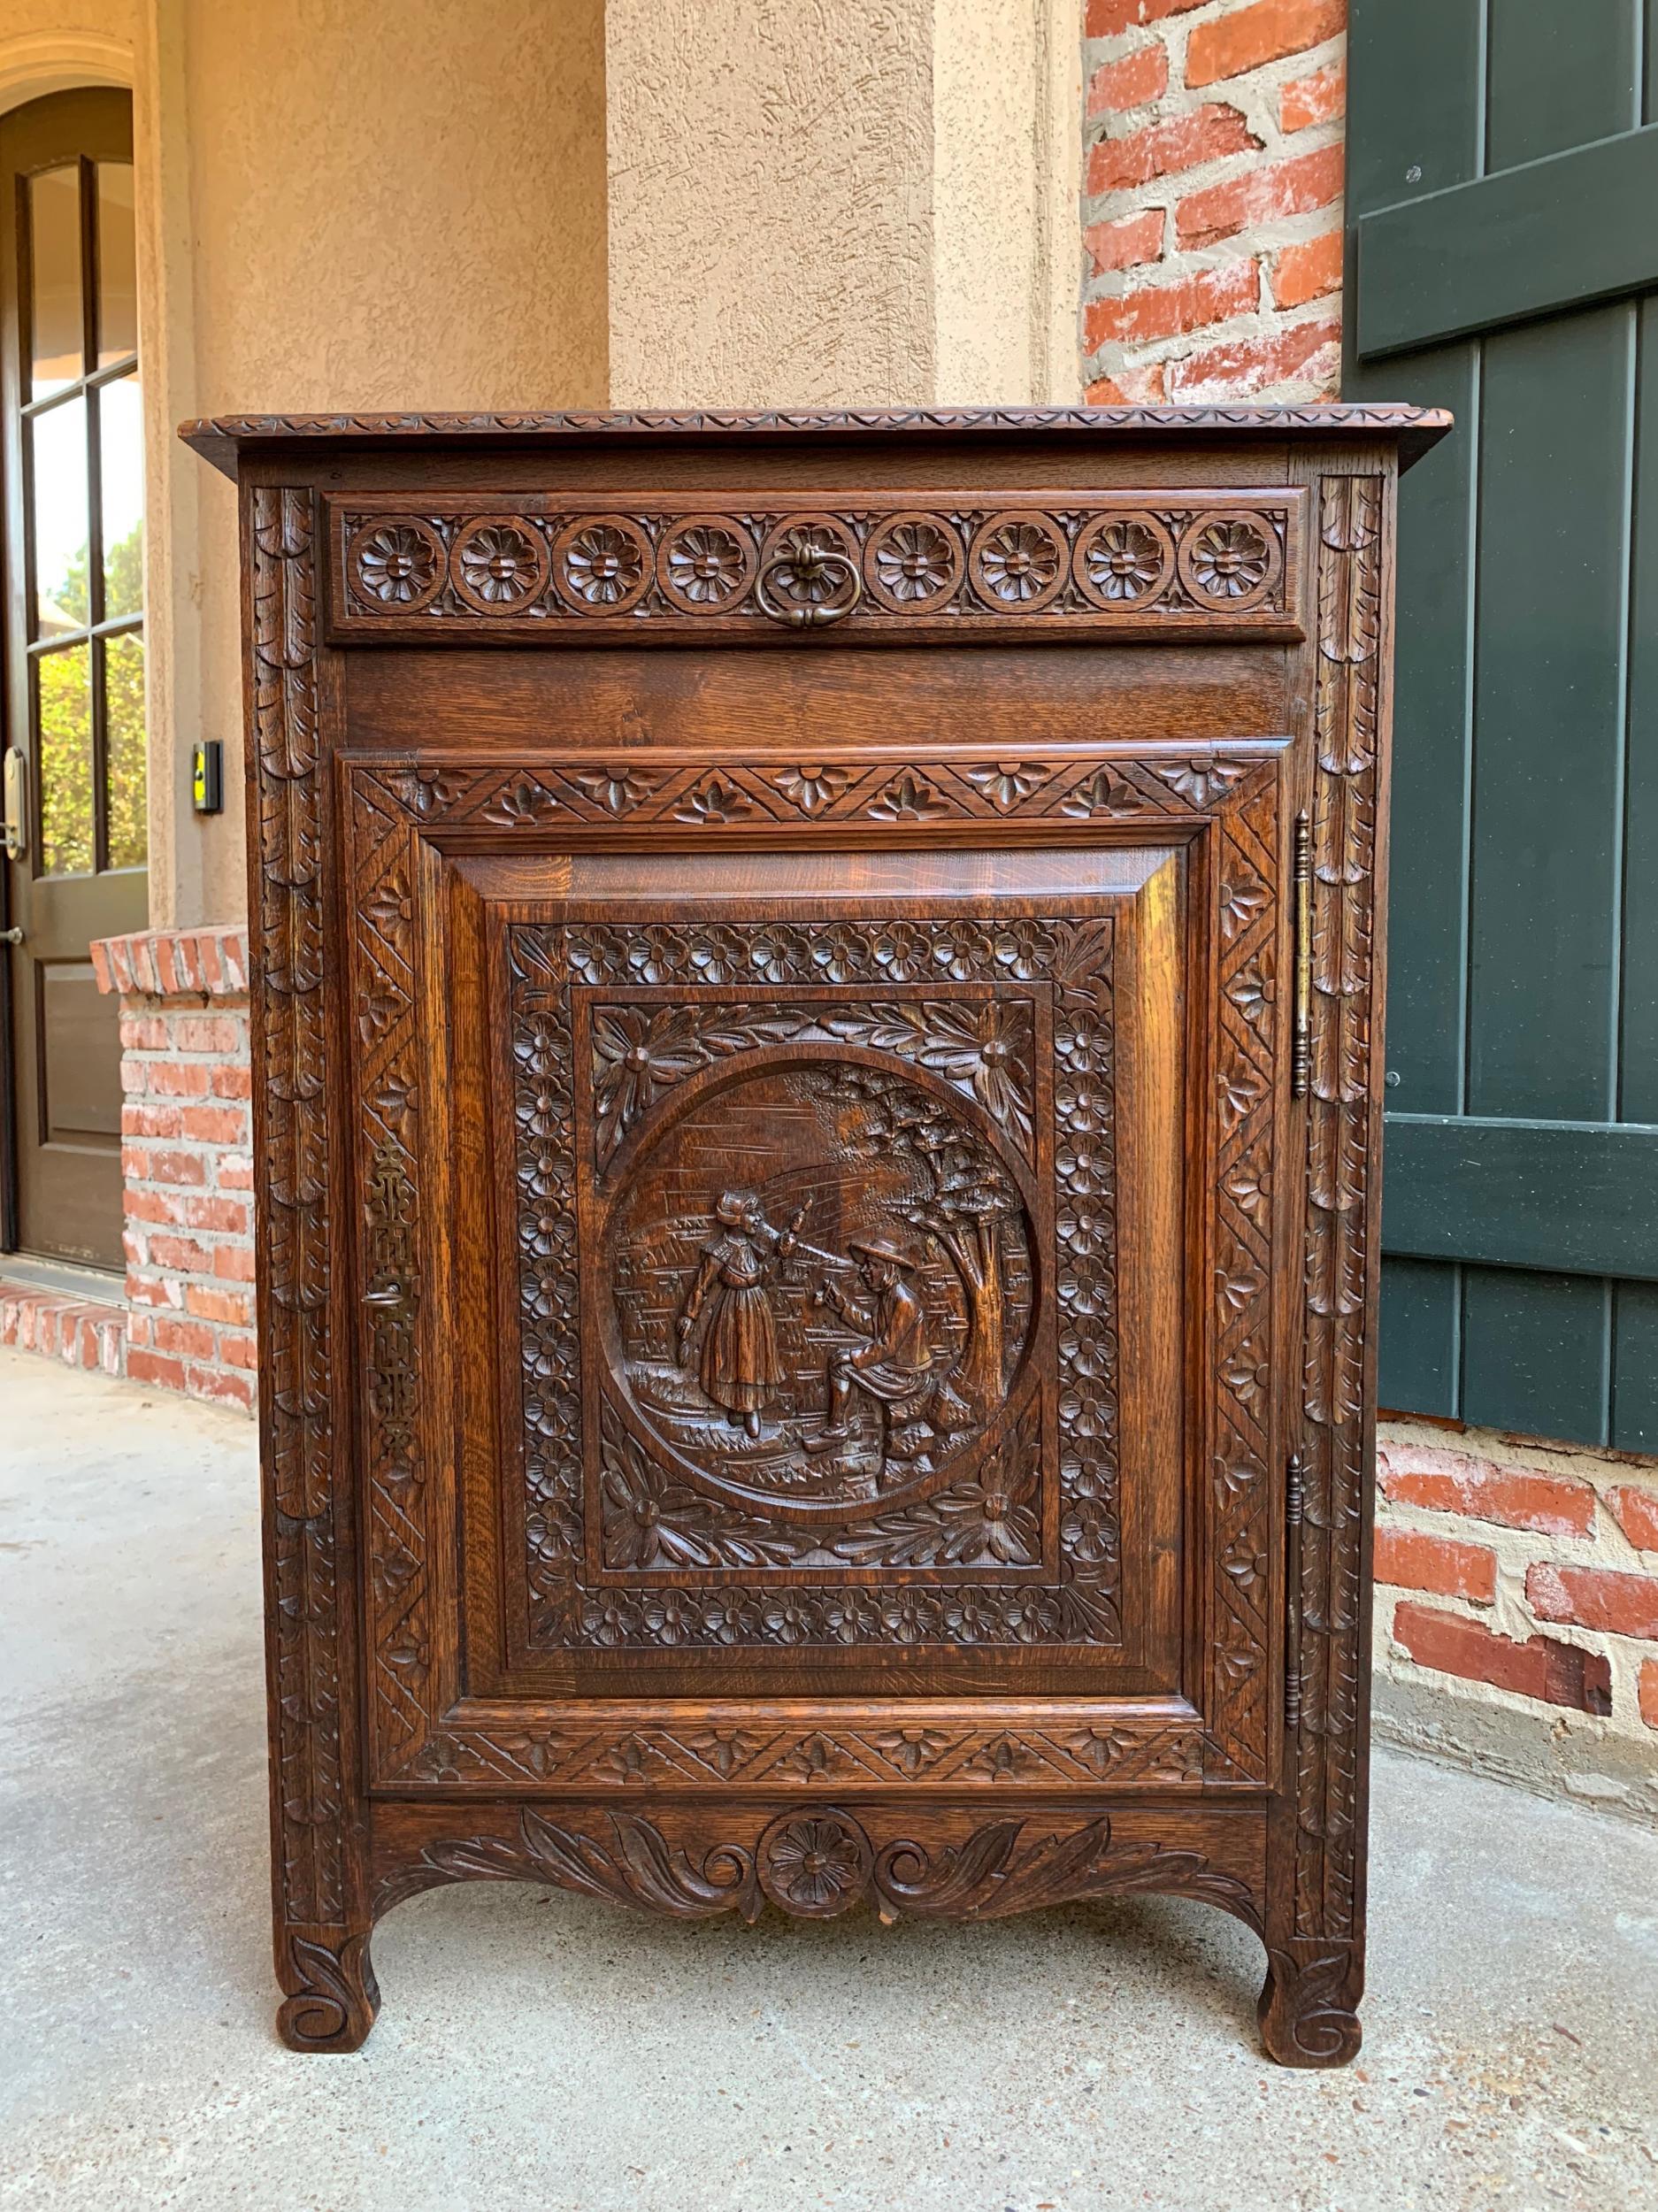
[823,201]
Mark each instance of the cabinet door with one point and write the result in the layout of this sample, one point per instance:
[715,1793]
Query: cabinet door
[816,1246]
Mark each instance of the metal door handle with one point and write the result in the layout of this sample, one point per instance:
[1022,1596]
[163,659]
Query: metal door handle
[10,936]
[17,813]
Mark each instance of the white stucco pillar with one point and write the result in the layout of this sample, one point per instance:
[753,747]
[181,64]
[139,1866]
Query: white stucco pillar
[828,202]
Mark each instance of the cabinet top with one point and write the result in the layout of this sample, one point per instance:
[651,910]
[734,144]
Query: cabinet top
[222,439]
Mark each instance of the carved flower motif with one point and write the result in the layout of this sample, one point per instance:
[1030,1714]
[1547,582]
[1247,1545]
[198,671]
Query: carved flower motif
[1086,1533]
[1082,1110]
[1018,562]
[901,953]
[726,1619]
[1085,1413]
[907,1617]
[1034,1618]
[995,1525]
[500,565]
[813,1864]
[648,1520]
[1082,1476]
[1085,1353]
[1005,783]
[602,565]
[656,953]
[907,799]
[1083,1050]
[396,564]
[705,564]
[1229,560]
[1104,791]
[1085,1230]
[778,955]
[554,1533]
[606,1621]
[968,1617]
[1017,946]
[812,788]
[983,1046]
[789,1619]
[716,799]
[1124,560]
[637,1054]
[914,561]
[1086,1288]
[521,804]
[1084,1169]
[615,789]
[851,1619]
[962,950]
[1242,898]
[837,952]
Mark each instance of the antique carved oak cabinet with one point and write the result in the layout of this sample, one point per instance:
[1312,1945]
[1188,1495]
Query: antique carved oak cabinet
[816,1054]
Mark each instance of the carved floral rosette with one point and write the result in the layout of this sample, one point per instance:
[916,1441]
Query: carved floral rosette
[1154,562]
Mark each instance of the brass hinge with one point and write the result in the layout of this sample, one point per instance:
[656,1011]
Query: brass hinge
[1294,1506]
[1301,1061]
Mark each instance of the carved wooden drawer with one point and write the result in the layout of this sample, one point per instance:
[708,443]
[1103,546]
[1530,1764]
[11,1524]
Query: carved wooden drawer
[815,1071]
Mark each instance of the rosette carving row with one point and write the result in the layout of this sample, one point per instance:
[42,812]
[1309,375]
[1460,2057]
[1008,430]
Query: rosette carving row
[1156,562]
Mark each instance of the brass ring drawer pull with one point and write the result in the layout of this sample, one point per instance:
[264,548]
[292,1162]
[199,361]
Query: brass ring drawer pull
[810,568]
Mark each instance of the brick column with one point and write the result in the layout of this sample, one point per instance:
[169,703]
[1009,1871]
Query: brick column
[185,1157]
[1212,199]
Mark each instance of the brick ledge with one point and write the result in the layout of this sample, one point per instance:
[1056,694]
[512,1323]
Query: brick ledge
[208,963]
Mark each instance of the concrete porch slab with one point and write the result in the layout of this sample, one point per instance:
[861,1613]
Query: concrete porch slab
[546,2050]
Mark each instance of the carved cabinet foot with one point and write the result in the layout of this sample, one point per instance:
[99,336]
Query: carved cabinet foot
[1309,2008]
[332,1996]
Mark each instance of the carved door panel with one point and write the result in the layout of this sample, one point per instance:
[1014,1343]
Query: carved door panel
[782,1324]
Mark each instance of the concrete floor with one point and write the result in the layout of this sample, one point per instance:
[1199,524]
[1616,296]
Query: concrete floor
[549,2051]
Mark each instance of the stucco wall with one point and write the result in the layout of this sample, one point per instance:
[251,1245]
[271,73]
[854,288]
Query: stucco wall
[369,211]
[830,202]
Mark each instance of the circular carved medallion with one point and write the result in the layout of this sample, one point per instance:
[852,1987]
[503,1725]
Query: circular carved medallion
[395,566]
[1123,561]
[705,566]
[499,564]
[912,562]
[1018,562]
[602,564]
[1230,562]
[821,1262]
[815,1863]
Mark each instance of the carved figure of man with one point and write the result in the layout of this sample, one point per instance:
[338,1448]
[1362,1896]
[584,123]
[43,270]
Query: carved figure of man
[740,1367]
[894,1364]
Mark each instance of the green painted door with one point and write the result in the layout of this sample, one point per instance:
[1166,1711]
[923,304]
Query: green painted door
[1502,213]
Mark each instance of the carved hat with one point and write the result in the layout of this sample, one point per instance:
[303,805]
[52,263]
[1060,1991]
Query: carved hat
[878,1248]
[734,1207]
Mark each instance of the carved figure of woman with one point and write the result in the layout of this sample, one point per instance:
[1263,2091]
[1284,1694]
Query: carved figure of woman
[740,1367]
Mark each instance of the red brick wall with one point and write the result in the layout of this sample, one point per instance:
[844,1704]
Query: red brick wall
[187,1158]
[1520,1573]
[1212,199]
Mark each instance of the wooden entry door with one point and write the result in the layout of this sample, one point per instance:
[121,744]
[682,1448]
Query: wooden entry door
[74,726]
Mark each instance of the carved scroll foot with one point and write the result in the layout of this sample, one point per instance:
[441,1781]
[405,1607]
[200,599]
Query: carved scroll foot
[331,1994]
[1309,2008]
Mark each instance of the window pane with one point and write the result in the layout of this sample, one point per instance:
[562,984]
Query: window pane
[55,259]
[118,270]
[121,461]
[125,812]
[66,761]
[59,439]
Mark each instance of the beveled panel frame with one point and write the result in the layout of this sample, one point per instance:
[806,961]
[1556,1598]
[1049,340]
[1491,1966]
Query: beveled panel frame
[417,816]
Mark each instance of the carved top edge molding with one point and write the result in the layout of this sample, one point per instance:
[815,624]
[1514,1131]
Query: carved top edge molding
[218,439]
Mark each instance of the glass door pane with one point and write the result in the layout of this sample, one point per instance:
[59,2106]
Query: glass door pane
[118,264]
[57,318]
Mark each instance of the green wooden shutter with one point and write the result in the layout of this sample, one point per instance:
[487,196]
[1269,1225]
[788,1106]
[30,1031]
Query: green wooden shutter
[1502,260]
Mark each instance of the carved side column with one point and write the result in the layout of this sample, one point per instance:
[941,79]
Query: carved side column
[321,1923]
[1316,1928]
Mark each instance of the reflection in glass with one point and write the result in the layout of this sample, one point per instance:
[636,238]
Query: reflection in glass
[59,439]
[55,324]
[66,761]
[121,460]
[126,813]
[118,268]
